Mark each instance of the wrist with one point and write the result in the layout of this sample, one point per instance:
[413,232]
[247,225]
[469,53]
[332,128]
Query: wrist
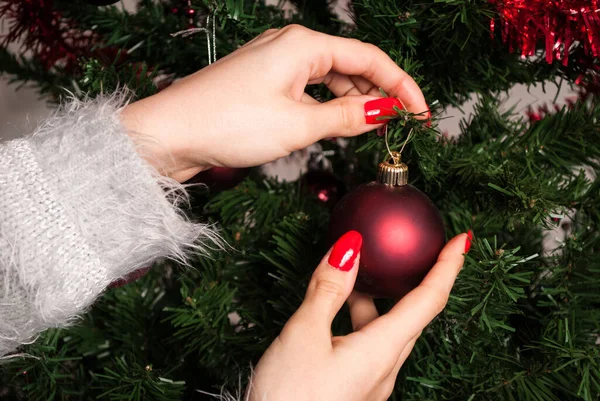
[156,133]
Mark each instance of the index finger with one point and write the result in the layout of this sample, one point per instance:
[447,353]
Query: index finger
[418,308]
[353,57]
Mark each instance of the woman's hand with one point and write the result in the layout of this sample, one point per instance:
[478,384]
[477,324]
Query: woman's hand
[250,108]
[306,363]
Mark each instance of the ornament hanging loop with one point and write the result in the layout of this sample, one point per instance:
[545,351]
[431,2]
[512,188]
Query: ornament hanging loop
[211,42]
[396,156]
[392,171]
[406,141]
[387,145]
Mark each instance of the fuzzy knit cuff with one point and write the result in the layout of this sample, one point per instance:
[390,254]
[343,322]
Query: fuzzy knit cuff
[79,209]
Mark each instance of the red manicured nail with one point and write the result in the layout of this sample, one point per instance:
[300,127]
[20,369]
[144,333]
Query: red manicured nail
[469,241]
[345,251]
[428,117]
[384,107]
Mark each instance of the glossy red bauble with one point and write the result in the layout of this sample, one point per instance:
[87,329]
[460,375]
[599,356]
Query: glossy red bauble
[403,234]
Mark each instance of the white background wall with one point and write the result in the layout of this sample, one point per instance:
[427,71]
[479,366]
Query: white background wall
[20,111]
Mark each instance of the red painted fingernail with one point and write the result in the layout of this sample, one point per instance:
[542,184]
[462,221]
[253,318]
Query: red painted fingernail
[345,251]
[378,108]
[428,117]
[469,241]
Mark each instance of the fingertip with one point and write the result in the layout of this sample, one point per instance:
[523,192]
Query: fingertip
[428,117]
[449,263]
[454,247]
[468,241]
[353,297]
[381,110]
[357,297]
[409,93]
[362,310]
[345,252]
[333,280]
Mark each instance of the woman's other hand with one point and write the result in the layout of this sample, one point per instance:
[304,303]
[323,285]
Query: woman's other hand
[306,363]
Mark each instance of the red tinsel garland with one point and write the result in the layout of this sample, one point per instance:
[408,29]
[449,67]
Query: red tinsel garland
[41,29]
[560,23]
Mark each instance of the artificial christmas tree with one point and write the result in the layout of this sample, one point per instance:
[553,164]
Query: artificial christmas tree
[523,322]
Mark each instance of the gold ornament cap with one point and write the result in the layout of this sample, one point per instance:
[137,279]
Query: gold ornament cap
[392,171]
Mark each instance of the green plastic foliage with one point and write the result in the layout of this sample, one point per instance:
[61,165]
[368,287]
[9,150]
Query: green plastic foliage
[523,320]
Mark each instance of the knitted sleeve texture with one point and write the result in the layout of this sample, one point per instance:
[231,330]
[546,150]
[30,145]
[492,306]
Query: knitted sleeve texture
[79,209]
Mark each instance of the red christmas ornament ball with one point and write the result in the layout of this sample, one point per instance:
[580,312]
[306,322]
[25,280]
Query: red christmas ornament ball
[323,185]
[403,234]
[220,178]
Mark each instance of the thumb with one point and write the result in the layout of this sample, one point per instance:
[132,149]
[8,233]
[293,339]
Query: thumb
[344,116]
[331,284]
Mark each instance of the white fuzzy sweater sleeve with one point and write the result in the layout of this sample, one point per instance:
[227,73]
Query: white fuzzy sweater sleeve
[79,208]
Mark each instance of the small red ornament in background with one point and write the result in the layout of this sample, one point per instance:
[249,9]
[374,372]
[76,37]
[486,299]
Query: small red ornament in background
[403,232]
[40,28]
[533,115]
[558,23]
[191,14]
[589,84]
[543,110]
[220,178]
[323,185]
